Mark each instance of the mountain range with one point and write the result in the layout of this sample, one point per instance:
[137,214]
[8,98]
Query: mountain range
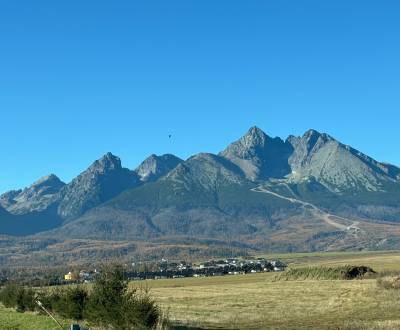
[304,193]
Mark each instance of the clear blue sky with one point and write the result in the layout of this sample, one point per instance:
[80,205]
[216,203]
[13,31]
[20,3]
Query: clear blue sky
[80,78]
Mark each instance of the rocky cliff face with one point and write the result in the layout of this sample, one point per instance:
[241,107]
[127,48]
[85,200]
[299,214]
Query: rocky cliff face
[155,167]
[259,156]
[314,155]
[35,198]
[8,198]
[104,179]
[335,165]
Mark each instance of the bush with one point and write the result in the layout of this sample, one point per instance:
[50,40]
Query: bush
[69,303]
[25,300]
[326,273]
[141,307]
[8,295]
[113,304]
[14,296]
[48,300]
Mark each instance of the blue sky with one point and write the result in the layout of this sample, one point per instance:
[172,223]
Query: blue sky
[80,78]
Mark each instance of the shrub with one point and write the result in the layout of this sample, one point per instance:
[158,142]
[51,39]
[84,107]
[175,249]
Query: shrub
[14,296]
[142,309]
[8,295]
[113,304]
[25,299]
[69,303]
[326,273]
[49,300]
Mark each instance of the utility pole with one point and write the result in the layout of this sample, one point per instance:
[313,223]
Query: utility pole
[48,313]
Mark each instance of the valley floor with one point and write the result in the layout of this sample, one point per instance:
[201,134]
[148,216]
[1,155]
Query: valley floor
[259,301]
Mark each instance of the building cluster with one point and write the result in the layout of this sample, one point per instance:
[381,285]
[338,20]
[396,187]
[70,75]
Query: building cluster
[171,269]
[82,276]
[230,266]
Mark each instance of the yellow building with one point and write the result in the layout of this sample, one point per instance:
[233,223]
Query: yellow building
[70,276]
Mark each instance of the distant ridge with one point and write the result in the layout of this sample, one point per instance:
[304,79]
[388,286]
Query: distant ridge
[308,192]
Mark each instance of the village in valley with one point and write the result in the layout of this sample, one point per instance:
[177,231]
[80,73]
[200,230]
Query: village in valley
[164,269]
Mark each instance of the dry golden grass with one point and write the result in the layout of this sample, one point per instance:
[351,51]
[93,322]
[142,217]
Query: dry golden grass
[259,302]
[255,304]
[379,260]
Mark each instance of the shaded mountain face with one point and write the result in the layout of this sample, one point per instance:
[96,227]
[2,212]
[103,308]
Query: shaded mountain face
[390,170]
[155,167]
[35,198]
[3,213]
[103,180]
[29,223]
[259,156]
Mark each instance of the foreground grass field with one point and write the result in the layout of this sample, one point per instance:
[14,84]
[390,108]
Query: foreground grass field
[257,303]
[260,301]
[11,320]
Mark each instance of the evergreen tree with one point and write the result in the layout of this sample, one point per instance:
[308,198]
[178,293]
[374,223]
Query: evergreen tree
[113,304]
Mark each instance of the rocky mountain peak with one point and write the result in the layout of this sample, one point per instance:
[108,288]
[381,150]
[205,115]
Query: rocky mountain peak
[104,179]
[106,163]
[256,134]
[36,197]
[258,155]
[254,138]
[248,146]
[311,137]
[50,180]
[306,146]
[155,166]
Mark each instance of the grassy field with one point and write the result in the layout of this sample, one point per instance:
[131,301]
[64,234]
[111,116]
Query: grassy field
[259,301]
[11,320]
[379,261]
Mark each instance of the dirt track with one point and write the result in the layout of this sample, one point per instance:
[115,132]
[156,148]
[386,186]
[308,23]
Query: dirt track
[330,219]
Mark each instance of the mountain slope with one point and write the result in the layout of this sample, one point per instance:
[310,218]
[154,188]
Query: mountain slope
[205,196]
[28,224]
[104,179]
